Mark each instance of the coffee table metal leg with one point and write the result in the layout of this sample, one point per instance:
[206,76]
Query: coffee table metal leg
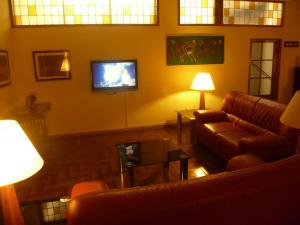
[166,172]
[184,164]
[179,127]
[192,132]
[130,174]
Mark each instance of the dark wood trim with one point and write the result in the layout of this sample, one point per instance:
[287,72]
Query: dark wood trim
[276,69]
[219,12]
[112,131]
[9,73]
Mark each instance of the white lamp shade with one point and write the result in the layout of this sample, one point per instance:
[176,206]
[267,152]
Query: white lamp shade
[203,82]
[291,115]
[18,157]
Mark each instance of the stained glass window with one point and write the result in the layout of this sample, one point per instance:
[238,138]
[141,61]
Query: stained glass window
[231,12]
[252,13]
[59,12]
[53,211]
[197,11]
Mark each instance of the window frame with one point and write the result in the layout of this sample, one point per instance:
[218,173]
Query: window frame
[75,25]
[219,15]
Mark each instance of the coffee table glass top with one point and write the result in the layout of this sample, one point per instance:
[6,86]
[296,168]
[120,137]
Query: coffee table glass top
[140,153]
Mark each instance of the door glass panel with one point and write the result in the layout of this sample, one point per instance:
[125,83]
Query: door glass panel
[256,51]
[254,86]
[268,50]
[267,68]
[255,70]
[265,86]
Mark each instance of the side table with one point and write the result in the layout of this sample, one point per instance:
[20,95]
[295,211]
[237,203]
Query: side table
[186,114]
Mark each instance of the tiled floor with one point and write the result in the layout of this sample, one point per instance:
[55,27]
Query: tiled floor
[73,159]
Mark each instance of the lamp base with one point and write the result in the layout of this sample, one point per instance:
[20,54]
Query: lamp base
[202,100]
[10,206]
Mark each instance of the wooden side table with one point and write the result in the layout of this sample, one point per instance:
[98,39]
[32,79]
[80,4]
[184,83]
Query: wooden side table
[186,114]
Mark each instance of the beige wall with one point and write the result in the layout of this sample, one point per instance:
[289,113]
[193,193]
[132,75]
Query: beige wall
[162,89]
[7,93]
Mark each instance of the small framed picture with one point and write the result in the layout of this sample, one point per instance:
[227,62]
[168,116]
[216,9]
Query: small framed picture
[4,68]
[52,65]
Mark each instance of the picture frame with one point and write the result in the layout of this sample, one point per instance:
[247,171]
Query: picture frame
[195,50]
[4,69]
[52,65]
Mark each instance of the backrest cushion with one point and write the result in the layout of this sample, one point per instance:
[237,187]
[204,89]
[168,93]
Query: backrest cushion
[266,114]
[239,104]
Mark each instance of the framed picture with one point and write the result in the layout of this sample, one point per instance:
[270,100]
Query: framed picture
[4,68]
[52,65]
[193,50]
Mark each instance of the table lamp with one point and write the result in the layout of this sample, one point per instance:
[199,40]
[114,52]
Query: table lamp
[18,160]
[202,82]
[290,116]
[65,65]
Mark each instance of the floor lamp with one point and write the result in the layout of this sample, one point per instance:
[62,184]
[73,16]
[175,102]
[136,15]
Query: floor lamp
[290,116]
[18,160]
[202,82]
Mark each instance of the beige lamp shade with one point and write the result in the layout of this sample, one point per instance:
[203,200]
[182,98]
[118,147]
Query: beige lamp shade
[18,157]
[291,115]
[203,82]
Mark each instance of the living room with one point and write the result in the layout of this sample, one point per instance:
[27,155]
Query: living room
[75,109]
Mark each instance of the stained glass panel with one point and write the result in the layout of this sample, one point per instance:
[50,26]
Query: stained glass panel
[59,12]
[252,13]
[197,11]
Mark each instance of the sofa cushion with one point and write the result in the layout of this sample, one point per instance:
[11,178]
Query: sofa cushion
[239,104]
[266,114]
[228,143]
[245,125]
[220,127]
[206,132]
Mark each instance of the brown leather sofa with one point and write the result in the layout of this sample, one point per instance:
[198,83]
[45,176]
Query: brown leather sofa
[267,194]
[246,125]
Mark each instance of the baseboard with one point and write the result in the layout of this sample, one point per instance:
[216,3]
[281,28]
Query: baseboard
[111,131]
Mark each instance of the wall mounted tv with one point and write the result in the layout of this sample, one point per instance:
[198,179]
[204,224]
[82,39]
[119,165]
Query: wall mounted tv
[114,75]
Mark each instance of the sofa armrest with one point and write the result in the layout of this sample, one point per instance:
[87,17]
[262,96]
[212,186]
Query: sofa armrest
[268,148]
[207,116]
[88,187]
[263,141]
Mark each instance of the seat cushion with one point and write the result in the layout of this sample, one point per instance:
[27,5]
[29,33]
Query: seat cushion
[228,143]
[221,127]
[206,132]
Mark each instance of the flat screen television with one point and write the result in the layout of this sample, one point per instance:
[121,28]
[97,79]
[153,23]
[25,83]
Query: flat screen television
[114,75]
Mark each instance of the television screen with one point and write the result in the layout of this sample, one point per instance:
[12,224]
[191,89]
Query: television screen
[114,75]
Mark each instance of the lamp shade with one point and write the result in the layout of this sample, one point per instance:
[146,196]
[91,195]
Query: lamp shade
[18,157]
[65,66]
[203,82]
[291,115]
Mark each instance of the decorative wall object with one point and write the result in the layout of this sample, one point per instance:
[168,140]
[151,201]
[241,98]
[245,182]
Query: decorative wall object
[4,68]
[291,44]
[193,50]
[52,65]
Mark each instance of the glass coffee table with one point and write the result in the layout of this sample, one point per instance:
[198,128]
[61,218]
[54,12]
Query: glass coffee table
[149,152]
